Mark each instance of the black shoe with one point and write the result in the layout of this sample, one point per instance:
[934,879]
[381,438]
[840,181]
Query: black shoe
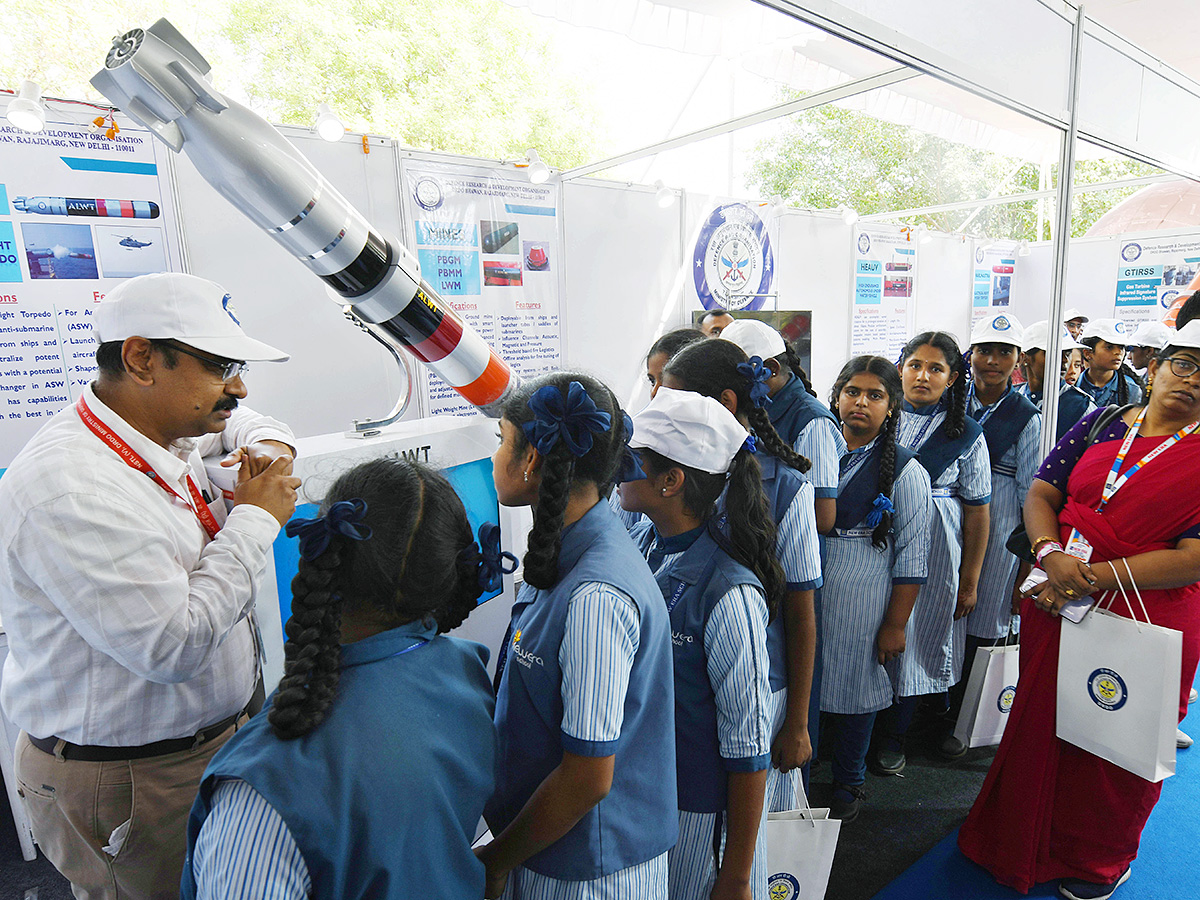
[847,801]
[1077,889]
[887,762]
[952,749]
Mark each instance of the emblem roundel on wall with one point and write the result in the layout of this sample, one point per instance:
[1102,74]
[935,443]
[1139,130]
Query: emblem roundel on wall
[733,264]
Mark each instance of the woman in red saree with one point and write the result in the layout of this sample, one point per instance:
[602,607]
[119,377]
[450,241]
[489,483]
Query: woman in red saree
[1049,809]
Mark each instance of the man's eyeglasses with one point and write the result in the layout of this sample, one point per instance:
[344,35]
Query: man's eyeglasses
[227,370]
[1181,366]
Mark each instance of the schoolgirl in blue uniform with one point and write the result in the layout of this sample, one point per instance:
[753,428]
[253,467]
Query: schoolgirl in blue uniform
[719,591]
[1073,404]
[815,434]
[366,775]
[585,803]
[876,559]
[721,370]
[1012,427]
[951,448]
[1105,379]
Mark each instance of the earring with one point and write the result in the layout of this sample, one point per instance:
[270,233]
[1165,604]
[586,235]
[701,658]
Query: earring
[664,491]
[527,476]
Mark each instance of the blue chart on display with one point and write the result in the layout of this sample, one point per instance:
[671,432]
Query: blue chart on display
[733,264]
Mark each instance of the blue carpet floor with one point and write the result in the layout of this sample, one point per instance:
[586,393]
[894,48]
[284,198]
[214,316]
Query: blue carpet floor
[1166,866]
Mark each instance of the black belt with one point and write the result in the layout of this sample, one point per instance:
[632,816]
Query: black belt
[85,753]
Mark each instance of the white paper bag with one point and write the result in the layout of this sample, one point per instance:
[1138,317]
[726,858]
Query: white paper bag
[800,848]
[989,696]
[1118,691]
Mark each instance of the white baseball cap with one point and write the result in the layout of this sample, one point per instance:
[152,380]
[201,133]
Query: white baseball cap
[1037,336]
[172,305]
[689,429]
[1111,330]
[1002,329]
[1074,313]
[1187,336]
[755,337]
[1151,334]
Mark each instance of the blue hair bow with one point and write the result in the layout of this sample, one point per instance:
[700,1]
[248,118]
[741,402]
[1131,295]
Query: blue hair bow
[631,469]
[492,559]
[573,421]
[881,505]
[757,374]
[751,443]
[344,517]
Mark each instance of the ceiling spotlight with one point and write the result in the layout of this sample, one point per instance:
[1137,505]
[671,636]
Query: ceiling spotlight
[328,125]
[26,111]
[1024,249]
[538,171]
[663,195]
[849,214]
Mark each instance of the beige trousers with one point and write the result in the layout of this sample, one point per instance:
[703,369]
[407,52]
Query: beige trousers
[115,830]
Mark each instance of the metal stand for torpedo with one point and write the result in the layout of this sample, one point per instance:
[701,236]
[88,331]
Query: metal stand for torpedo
[365,428]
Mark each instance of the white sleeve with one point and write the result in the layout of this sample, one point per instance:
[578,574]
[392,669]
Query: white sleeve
[245,851]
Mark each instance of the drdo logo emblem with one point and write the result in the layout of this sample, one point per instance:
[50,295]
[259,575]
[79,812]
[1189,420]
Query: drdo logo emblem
[733,262]
[1107,689]
[783,887]
[1005,701]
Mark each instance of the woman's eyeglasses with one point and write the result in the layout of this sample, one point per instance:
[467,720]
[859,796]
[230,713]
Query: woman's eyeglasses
[1181,366]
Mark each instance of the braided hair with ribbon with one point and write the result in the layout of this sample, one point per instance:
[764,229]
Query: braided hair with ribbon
[879,519]
[576,425]
[713,367]
[391,545]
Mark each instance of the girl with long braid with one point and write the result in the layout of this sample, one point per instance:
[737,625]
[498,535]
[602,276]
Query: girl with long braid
[876,559]
[951,448]
[720,370]
[585,803]
[368,771]
[720,592]
[1012,427]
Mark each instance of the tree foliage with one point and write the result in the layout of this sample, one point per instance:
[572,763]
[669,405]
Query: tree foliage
[461,76]
[828,157]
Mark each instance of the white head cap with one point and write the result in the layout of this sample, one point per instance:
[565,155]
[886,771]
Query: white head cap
[1074,313]
[1037,336]
[172,305]
[1187,336]
[754,337]
[1111,330]
[1001,329]
[1151,334]
[689,429]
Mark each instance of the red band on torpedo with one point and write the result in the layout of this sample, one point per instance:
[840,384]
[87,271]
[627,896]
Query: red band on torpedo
[442,342]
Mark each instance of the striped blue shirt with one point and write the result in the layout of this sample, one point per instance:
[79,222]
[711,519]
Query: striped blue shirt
[821,442]
[600,641]
[797,543]
[245,850]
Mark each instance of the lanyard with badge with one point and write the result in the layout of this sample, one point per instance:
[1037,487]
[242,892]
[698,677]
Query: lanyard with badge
[1077,545]
[131,459]
[198,506]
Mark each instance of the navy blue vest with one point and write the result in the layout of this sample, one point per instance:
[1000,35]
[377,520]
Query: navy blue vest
[939,451]
[792,407]
[692,588]
[780,484]
[1073,405]
[384,796]
[857,498]
[639,819]
[1005,424]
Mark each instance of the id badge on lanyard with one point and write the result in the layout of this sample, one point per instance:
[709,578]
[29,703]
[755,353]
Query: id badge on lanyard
[1078,546]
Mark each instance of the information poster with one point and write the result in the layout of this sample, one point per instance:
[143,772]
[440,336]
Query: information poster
[995,266]
[78,214]
[885,271]
[489,243]
[1152,273]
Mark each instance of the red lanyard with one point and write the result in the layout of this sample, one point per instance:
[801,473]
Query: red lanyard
[123,450]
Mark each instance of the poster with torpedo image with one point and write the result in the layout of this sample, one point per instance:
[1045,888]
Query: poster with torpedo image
[883,281]
[490,243]
[78,214]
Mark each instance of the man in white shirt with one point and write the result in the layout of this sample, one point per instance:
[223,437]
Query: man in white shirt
[127,589]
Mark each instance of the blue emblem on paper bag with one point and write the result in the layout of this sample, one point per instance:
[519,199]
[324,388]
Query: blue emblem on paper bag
[1005,701]
[1107,689]
[783,887]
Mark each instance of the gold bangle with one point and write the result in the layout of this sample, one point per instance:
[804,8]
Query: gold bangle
[1042,540]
